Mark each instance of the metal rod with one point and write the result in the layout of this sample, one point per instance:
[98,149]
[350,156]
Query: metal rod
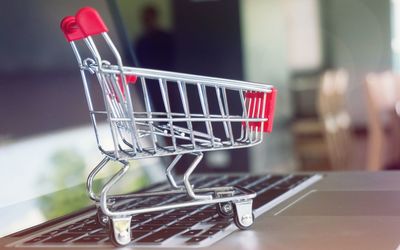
[231,137]
[148,111]
[186,109]
[164,93]
[204,106]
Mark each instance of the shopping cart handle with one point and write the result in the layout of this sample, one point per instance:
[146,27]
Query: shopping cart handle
[256,99]
[90,21]
[71,29]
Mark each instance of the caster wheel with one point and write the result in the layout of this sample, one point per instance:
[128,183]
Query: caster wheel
[245,222]
[101,218]
[120,231]
[225,209]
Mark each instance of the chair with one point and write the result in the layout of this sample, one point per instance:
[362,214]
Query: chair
[382,95]
[335,118]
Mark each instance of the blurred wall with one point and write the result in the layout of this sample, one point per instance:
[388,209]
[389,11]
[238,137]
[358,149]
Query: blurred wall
[358,38]
[31,38]
[264,48]
[40,84]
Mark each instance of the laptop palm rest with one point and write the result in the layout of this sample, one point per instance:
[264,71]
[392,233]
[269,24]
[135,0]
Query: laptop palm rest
[345,203]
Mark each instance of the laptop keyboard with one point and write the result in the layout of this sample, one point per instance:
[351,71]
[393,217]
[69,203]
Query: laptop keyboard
[185,226]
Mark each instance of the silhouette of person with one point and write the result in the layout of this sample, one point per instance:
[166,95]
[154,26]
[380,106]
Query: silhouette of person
[155,47]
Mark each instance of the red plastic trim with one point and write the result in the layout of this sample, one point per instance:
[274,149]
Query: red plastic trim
[90,21]
[270,110]
[257,99]
[130,79]
[71,29]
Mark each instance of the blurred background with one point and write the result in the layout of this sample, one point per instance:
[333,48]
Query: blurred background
[334,63]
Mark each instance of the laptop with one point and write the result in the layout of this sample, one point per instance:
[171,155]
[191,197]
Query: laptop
[343,210]
[291,211]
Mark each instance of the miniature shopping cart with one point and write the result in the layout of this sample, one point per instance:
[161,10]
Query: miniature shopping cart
[137,132]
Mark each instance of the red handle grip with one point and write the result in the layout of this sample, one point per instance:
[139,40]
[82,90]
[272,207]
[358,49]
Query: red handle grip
[90,21]
[87,22]
[71,29]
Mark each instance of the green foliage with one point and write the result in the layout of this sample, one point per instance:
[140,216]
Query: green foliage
[69,168]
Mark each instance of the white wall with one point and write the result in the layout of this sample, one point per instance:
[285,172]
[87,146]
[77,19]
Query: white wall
[264,42]
[264,47]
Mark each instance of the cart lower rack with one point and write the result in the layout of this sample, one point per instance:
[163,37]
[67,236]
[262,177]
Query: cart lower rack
[184,124]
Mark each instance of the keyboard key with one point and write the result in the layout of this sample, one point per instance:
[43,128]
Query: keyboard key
[192,233]
[218,219]
[202,215]
[210,232]
[160,236]
[36,239]
[181,224]
[54,232]
[71,226]
[158,222]
[136,234]
[291,183]
[220,226]
[82,230]
[196,240]
[90,239]
[62,238]
[266,197]
[248,181]
[147,227]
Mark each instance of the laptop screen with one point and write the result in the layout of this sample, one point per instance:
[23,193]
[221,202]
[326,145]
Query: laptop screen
[47,143]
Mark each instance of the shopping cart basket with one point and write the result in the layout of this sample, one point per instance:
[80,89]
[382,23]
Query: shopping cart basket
[137,134]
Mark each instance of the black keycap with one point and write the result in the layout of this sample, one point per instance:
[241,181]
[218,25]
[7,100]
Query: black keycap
[54,232]
[90,239]
[86,220]
[165,219]
[158,222]
[160,236]
[82,230]
[62,238]
[36,239]
[71,226]
[100,232]
[210,232]
[274,179]
[218,219]
[180,224]
[291,183]
[220,226]
[266,197]
[248,181]
[146,227]
[192,233]
[196,240]
[190,219]
[202,216]
[136,234]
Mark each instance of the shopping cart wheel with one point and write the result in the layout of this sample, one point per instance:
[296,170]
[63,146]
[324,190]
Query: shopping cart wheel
[120,231]
[243,214]
[225,209]
[101,218]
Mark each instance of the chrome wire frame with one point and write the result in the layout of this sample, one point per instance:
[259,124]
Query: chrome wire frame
[130,128]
